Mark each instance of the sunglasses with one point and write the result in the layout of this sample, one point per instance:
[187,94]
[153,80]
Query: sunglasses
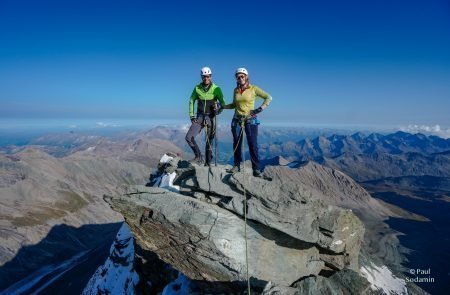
[206,76]
[240,77]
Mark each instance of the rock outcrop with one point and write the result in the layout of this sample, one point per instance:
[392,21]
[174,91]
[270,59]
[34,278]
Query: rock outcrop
[206,242]
[197,225]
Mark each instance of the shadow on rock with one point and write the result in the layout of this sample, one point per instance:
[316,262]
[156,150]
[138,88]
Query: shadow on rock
[155,275]
[67,256]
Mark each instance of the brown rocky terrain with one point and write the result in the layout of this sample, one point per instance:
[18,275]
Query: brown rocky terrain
[40,192]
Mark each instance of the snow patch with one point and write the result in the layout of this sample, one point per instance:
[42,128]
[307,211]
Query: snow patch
[167,182]
[91,148]
[117,276]
[381,278]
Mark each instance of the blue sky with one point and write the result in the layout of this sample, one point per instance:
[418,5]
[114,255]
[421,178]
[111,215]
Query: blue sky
[324,62]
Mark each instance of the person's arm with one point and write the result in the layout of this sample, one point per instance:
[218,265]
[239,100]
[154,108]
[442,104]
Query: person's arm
[231,105]
[267,99]
[219,96]
[191,104]
[264,95]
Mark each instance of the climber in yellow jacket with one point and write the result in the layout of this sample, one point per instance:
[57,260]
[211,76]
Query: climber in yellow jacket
[245,115]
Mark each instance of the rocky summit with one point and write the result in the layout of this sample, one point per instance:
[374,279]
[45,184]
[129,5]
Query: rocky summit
[194,219]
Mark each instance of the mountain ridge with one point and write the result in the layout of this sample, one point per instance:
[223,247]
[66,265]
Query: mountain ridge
[372,156]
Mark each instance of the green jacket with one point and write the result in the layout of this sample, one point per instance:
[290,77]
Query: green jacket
[205,98]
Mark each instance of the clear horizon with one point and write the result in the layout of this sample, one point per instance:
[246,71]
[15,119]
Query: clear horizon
[42,125]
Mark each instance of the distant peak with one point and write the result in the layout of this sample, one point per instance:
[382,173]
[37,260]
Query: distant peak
[276,161]
[358,135]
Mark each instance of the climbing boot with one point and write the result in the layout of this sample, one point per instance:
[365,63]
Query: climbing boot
[234,169]
[258,173]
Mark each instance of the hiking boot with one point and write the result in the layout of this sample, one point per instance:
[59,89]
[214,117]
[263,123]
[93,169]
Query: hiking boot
[234,169]
[197,160]
[207,164]
[258,173]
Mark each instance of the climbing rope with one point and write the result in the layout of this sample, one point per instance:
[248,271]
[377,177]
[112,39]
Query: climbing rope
[241,137]
[237,144]
[216,138]
[245,207]
[207,142]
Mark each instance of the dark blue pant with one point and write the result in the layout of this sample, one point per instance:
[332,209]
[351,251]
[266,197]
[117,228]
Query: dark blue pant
[251,132]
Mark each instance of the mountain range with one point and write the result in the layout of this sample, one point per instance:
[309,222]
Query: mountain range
[62,178]
[373,156]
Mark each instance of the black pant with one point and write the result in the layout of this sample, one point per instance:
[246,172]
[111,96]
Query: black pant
[251,132]
[203,121]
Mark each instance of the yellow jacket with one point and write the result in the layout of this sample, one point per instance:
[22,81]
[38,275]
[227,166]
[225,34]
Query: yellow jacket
[244,101]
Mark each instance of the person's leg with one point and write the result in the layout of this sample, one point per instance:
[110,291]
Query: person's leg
[237,141]
[210,137]
[194,130]
[251,132]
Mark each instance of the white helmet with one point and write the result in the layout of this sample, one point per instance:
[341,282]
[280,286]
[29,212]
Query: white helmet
[205,71]
[241,71]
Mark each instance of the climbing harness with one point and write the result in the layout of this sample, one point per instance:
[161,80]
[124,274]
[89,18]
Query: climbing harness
[208,143]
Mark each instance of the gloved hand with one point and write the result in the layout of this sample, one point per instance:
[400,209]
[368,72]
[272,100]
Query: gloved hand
[194,120]
[255,111]
[219,108]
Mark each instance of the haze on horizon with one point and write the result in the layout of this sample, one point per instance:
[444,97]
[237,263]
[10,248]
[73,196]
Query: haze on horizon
[347,63]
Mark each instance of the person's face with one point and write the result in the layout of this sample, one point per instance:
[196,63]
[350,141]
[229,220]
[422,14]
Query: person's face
[241,79]
[206,79]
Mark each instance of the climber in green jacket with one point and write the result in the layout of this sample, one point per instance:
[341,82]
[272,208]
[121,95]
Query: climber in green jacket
[209,99]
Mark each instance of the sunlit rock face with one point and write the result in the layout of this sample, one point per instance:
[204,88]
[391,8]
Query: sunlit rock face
[195,222]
